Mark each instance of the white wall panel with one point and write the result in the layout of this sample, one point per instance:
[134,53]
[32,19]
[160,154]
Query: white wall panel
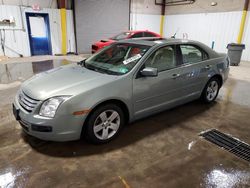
[55,27]
[70,32]
[145,22]
[222,28]
[246,39]
[16,36]
[43,3]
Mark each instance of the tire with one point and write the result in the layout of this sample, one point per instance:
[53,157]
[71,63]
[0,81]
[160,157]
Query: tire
[211,90]
[104,124]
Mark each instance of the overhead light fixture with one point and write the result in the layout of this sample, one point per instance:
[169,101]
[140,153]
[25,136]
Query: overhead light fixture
[174,2]
[214,3]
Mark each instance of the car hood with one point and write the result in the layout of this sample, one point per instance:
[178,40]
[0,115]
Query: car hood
[65,80]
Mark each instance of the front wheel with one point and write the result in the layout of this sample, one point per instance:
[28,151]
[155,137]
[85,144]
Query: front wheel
[104,123]
[211,90]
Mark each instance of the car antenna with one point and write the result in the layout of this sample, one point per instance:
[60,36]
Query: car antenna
[175,33]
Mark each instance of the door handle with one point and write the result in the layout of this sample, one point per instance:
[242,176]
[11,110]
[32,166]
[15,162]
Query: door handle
[208,67]
[174,76]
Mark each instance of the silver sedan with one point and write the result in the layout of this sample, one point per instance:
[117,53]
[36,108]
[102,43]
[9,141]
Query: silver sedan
[123,82]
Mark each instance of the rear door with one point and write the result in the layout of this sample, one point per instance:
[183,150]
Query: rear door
[152,94]
[195,69]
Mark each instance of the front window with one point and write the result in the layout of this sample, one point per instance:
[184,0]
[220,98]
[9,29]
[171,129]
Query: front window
[116,59]
[162,59]
[121,36]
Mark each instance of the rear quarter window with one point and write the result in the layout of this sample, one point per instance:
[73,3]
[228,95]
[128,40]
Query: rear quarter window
[192,54]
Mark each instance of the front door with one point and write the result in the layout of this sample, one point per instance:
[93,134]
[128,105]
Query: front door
[39,33]
[153,94]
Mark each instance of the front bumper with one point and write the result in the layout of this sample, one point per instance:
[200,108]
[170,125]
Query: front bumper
[60,128]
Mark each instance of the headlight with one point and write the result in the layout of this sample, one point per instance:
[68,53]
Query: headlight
[49,107]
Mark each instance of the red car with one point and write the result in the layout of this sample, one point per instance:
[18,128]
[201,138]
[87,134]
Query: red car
[124,35]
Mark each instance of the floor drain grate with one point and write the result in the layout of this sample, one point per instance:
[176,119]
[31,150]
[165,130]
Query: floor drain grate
[228,143]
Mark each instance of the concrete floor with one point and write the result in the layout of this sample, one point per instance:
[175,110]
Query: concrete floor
[160,151]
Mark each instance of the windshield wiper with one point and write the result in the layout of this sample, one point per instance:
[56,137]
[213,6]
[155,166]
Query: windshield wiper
[94,68]
[101,70]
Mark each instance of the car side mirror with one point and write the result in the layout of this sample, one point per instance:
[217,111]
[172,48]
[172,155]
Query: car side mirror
[149,72]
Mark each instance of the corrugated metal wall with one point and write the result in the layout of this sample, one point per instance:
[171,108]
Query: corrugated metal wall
[96,20]
[221,27]
[16,36]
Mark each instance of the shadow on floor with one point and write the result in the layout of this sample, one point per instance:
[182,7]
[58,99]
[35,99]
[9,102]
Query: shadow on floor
[130,134]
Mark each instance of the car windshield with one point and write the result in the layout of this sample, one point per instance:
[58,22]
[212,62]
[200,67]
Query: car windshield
[117,59]
[121,36]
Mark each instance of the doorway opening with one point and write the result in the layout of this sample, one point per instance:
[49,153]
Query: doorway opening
[39,33]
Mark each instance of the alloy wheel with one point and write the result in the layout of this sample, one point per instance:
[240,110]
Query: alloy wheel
[212,90]
[106,124]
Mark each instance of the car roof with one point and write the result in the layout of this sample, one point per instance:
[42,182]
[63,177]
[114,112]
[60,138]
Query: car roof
[154,41]
[138,31]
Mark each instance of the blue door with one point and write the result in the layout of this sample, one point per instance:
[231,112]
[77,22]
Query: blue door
[39,33]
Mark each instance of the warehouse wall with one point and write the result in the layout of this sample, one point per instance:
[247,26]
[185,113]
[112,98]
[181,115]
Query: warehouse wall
[221,27]
[96,20]
[204,6]
[145,22]
[16,36]
[43,3]
[246,39]
[144,14]
[200,21]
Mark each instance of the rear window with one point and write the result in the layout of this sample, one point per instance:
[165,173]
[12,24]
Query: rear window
[147,34]
[137,35]
[121,36]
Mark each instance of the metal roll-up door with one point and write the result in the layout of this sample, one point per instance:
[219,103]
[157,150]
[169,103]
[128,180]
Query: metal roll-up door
[99,19]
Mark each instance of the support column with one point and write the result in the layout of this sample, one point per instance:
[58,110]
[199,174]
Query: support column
[63,13]
[162,17]
[243,21]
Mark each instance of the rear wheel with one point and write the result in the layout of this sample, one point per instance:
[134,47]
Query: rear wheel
[211,90]
[104,123]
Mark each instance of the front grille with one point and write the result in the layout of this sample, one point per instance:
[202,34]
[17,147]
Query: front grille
[228,143]
[27,102]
